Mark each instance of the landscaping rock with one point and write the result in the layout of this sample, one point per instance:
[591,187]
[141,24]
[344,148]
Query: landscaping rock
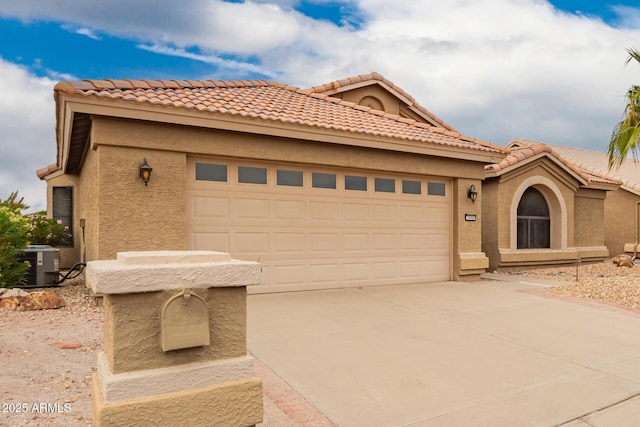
[14,292]
[10,302]
[42,301]
[66,345]
[623,260]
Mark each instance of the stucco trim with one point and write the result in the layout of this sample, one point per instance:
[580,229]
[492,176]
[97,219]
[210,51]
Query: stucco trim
[166,270]
[152,382]
[557,211]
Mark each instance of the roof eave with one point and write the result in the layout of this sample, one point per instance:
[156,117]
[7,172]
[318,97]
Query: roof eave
[490,173]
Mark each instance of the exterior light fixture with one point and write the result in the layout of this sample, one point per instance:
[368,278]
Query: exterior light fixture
[145,171]
[472,193]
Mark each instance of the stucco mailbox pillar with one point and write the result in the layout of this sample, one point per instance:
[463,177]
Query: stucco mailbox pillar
[175,346]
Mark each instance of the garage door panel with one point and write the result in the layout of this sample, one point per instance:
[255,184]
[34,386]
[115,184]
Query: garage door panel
[412,269]
[289,210]
[324,242]
[210,207]
[383,270]
[355,271]
[211,242]
[411,213]
[355,242]
[289,274]
[438,268]
[438,216]
[412,241]
[384,213]
[355,212]
[437,241]
[250,208]
[251,243]
[323,211]
[289,243]
[383,242]
[324,273]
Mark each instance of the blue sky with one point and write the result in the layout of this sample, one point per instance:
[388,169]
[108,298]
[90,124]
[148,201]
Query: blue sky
[493,69]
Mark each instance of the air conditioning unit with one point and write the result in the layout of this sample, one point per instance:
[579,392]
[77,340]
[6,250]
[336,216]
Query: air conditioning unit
[45,266]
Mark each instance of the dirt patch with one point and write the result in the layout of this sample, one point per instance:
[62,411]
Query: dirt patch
[42,384]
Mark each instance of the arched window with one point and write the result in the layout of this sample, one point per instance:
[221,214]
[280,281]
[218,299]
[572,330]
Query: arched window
[533,221]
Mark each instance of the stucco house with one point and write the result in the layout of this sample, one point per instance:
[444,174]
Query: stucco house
[541,209]
[621,208]
[349,183]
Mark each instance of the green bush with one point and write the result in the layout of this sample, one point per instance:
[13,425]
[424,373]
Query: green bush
[46,231]
[14,237]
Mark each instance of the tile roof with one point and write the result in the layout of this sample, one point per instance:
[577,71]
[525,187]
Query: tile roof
[270,101]
[375,77]
[522,150]
[628,174]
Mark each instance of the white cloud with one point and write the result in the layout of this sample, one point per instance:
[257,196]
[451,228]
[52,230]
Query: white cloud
[241,67]
[83,31]
[27,133]
[494,69]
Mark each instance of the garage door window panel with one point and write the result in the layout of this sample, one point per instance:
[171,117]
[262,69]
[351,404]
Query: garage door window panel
[436,189]
[211,172]
[411,187]
[323,180]
[289,178]
[385,185]
[355,183]
[252,175]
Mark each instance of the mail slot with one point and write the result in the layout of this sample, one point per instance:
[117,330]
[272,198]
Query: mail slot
[185,322]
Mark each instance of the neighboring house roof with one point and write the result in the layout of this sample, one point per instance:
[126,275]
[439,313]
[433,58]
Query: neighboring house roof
[524,151]
[261,105]
[362,80]
[628,174]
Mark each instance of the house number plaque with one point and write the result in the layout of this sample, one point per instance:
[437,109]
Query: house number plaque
[469,217]
[184,322]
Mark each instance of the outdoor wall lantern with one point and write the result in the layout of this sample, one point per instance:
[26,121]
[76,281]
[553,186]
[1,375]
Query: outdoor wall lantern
[145,171]
[473,193]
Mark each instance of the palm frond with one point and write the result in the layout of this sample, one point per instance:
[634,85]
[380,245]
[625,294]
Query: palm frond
[625,139]
[634,53]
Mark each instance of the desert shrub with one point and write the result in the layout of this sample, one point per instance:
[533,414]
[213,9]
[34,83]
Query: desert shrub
[46,231]
[14,237]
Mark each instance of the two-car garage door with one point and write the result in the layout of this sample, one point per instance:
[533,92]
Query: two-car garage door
[317,227]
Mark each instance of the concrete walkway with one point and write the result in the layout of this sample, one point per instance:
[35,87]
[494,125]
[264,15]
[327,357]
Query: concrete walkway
[452,354]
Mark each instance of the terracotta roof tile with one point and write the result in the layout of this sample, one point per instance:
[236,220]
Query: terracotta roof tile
[378,77]
[521,150]
[275,102]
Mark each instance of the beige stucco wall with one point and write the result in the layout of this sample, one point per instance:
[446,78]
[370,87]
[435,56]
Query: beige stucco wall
[620,220]
[131,349]
[193,140]
[211,406]
[589,218]
[468,258]
[490,221]
[88,204]
[389,102]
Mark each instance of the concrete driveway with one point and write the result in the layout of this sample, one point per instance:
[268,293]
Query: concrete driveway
[452,354]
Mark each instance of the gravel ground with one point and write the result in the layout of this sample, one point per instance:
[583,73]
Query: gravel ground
[43,385]
[46,386]
[603,282]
